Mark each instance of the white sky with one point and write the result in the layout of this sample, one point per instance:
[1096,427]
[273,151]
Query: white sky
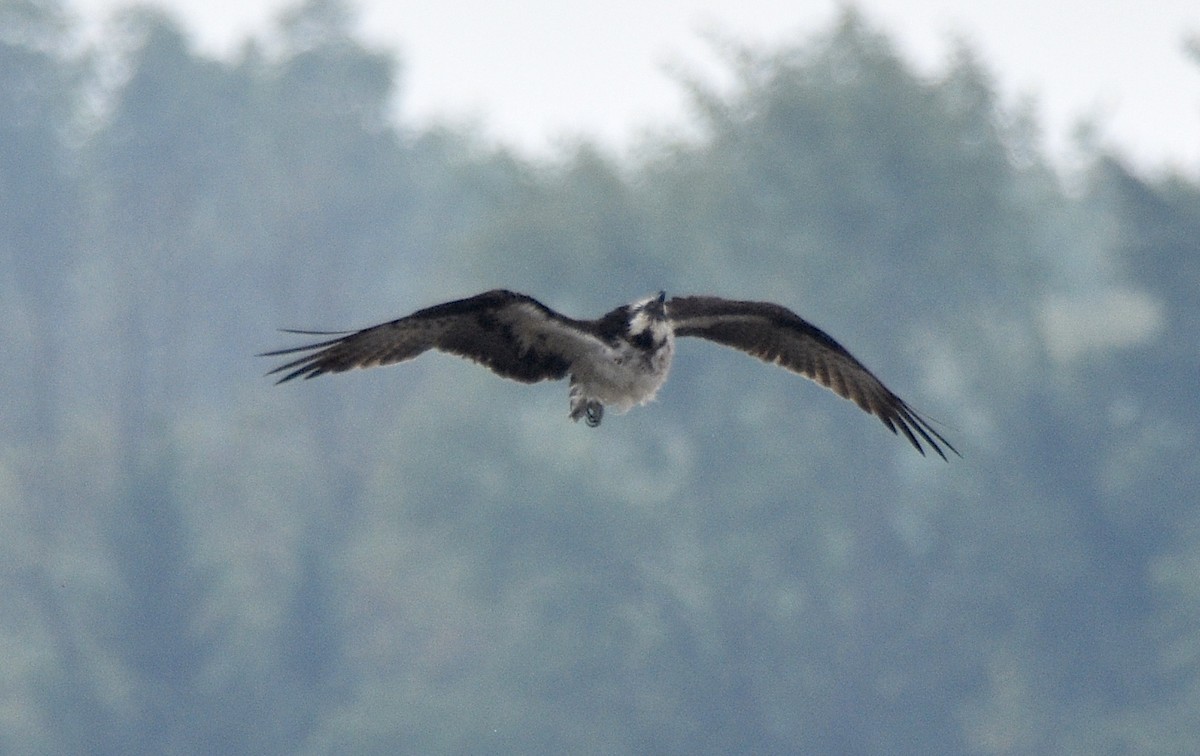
[533,72]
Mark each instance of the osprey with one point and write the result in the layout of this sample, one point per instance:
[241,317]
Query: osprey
[618,360]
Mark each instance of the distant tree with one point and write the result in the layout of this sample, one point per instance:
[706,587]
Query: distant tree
[39,208]
[837,148]
[426,559]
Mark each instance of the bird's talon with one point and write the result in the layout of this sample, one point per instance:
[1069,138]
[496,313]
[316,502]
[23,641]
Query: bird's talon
[593,414]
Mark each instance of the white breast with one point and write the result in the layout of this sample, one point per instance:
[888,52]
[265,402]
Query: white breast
[623,377]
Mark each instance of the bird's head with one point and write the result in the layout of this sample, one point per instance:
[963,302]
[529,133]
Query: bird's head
[649,327]
[654,306]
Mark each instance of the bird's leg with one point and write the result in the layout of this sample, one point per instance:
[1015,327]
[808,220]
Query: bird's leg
[589,409]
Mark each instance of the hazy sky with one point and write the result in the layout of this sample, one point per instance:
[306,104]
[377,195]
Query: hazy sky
[533,71]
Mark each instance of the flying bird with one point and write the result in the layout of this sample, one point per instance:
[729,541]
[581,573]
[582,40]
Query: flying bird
[619,360]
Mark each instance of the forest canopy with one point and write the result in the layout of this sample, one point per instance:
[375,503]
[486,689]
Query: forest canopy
[426,559]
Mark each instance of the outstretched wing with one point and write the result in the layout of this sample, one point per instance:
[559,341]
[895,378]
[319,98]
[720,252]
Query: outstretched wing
[512,334]
[776,334]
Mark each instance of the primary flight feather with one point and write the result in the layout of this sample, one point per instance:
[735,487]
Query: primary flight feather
[618,360]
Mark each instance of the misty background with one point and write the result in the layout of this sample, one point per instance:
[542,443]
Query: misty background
[427,559]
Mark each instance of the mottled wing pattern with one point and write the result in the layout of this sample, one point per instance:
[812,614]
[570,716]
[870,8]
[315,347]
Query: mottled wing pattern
[776,334]
[512,334]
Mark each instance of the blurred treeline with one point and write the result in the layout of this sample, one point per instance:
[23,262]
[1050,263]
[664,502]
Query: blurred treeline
[426,559]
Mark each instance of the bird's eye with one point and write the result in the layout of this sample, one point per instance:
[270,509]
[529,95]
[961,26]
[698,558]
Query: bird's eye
[643,340]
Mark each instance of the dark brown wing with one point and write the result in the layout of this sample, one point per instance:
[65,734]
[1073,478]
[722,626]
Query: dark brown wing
[512,334]
[776,334]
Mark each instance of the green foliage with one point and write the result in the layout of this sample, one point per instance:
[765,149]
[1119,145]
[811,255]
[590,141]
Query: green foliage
[427,559]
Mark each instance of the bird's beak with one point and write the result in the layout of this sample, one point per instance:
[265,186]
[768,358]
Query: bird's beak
[657,305]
